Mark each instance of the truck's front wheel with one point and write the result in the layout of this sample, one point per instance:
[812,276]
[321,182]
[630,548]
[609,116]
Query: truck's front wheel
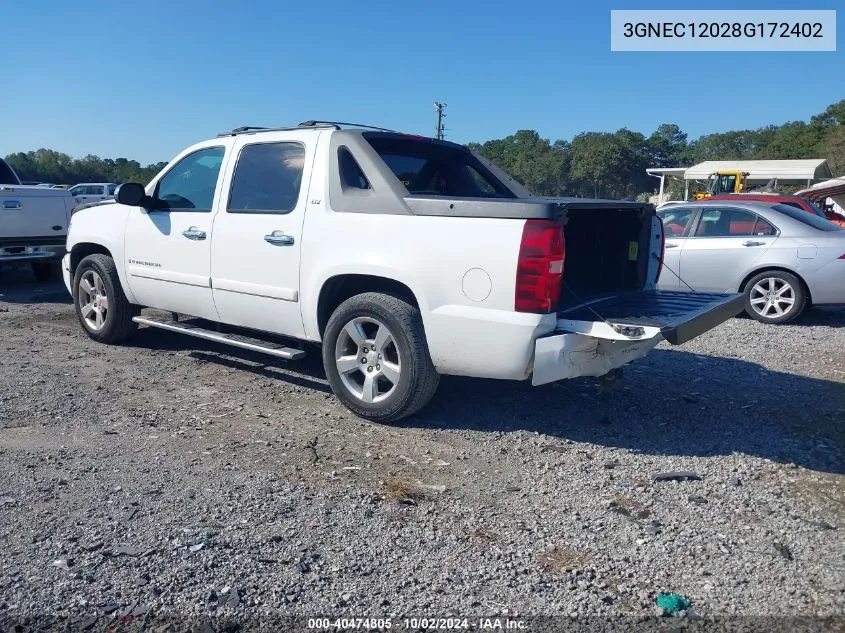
[101,306]
[376,357]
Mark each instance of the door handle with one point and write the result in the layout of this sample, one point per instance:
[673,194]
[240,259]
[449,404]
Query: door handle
[12,204]
[667,245]
[752,243]
[194,233]
[279,239]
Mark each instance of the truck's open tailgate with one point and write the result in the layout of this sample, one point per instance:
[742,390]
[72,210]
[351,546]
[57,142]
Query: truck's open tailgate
[681,316]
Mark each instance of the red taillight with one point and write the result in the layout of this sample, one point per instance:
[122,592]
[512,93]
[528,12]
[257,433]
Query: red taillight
[539,270]
[662,249]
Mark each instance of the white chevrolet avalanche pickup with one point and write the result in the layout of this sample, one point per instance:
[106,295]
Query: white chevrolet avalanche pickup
[402,257]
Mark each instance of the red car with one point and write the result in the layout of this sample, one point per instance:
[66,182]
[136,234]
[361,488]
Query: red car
[793,201]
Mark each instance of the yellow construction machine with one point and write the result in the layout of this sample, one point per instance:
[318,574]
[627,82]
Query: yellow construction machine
[725,182]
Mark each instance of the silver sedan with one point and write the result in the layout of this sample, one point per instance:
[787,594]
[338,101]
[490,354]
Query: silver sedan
[783,259]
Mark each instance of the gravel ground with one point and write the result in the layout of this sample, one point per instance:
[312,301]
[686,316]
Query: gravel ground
[174,477]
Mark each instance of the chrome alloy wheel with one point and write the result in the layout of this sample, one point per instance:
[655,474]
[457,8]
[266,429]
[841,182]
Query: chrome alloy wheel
[772,297]
[93,301]
[367,359]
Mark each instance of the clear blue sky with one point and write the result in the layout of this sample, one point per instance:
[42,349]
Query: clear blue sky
[147,80]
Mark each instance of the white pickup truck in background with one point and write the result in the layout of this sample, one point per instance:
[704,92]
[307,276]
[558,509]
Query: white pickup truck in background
[33,224]
[403,257]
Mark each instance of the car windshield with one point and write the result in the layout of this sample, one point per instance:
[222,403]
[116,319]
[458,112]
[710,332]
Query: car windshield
[437,169]
[818,223]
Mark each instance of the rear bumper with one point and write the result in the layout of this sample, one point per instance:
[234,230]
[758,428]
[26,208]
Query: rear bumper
[591,341]
[572,355]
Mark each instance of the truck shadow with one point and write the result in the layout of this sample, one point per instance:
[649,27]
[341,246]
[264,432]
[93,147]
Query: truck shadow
[307,372]
[18,285]
[672,403]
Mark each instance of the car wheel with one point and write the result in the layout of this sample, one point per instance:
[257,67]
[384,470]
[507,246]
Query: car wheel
[45,271]
[101,306]
[775,296]
[376,357]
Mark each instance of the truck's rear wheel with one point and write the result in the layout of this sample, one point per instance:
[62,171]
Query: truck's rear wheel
[376,357]
[101,306]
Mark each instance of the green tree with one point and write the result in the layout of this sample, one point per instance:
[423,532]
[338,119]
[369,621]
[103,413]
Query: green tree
[538,165]
[833,116]
[611,165]
[668,146]
[50,166]
[834,150]
[596,157]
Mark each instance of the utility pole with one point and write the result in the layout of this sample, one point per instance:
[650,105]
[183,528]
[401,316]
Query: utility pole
[439,132]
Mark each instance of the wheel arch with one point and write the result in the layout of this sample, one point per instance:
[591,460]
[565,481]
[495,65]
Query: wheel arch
[764,269]
[84,249]
[337,289]
[81,250]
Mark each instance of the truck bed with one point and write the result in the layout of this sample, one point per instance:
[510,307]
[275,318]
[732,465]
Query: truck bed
[681,316]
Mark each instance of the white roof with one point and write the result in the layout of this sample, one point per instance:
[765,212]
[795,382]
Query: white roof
[667,171]
[799,170]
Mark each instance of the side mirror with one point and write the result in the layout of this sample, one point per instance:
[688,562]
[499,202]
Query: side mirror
[131,194]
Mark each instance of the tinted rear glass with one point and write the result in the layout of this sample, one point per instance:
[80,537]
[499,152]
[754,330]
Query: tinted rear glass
[816,208]
[820,224]
[7,176]
[429,168]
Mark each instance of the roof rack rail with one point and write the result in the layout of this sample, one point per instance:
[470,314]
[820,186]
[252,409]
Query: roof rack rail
[249,129]
[338,124]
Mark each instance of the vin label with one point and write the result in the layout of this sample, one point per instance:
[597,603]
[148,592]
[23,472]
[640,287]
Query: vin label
[723,30]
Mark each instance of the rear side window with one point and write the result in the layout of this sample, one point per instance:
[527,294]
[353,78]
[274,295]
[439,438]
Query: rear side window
[431,168]
[95,190]
[726,222]
[268,178]
[112,189]
[763,227]
[676,222]
[820,224]
[351,174]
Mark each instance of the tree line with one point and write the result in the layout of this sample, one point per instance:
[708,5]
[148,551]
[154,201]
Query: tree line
[47,165]
[612,165]
[593,164]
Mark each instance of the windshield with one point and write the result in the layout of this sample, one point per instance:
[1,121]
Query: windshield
[723,184]
[820,224]
[427,167]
